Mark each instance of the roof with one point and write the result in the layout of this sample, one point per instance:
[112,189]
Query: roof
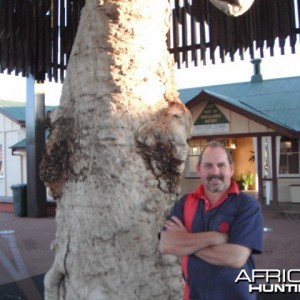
[19,146]
[199,32]
[275,101]
[16,111]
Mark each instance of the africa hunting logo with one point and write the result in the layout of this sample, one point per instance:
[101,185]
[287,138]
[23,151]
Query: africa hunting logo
[273,280]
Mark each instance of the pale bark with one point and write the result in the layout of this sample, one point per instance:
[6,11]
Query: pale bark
[115,156]
[233,8]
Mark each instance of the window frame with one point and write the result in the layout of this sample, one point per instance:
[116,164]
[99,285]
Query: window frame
[285,152]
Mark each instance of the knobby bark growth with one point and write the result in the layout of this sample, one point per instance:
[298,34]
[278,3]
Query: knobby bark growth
[115,155]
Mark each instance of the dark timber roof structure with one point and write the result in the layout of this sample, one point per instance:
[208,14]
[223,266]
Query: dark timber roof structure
[36,36]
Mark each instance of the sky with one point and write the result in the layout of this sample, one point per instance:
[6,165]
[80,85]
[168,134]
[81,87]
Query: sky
[238,71]
[14,87]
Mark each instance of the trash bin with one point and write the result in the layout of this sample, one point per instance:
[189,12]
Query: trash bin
[20,200]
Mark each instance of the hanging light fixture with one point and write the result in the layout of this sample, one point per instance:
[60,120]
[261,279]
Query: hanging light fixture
[232,144]
[194,150]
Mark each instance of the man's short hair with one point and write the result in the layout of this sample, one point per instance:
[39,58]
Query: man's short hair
[215,144]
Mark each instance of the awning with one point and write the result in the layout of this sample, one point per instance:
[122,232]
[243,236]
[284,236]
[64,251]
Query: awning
[20,147]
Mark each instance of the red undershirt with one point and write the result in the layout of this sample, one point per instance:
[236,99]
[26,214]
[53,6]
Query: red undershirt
[233,189]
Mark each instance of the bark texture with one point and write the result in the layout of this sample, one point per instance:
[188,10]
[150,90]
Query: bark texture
[115,156]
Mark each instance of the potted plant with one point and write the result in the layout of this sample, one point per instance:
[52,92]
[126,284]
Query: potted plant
[247,180]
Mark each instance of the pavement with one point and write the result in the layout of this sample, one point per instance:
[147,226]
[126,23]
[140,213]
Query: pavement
[25,254]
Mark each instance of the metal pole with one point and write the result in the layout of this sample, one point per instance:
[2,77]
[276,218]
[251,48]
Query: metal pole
[35,141]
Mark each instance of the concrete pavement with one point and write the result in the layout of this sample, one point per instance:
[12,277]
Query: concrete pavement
[25,253]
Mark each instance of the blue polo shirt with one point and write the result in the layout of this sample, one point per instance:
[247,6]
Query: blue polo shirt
[239,215]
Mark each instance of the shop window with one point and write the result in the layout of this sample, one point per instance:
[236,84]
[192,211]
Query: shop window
[289,156]
[195,148]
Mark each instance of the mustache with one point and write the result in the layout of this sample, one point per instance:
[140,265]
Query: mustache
[211,177]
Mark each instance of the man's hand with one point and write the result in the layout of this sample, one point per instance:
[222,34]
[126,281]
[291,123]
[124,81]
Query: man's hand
[209,246]
[229,255]
[175,224]
[176,240]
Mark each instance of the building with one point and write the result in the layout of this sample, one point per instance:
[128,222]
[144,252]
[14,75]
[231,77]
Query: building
[259,122]
[12,146]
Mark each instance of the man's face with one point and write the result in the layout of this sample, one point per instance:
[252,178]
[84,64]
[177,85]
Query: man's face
[215,171]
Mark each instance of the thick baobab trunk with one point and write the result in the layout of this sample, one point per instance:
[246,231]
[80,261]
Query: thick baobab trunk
[115,155]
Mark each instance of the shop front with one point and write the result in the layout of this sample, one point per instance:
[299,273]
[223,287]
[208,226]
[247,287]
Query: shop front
[266,156]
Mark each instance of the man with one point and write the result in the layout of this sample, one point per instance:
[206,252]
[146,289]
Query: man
[215,229]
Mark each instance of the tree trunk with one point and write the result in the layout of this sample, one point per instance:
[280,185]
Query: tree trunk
[115,156]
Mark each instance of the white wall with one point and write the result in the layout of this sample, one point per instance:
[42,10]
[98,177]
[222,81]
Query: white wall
[13,166]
